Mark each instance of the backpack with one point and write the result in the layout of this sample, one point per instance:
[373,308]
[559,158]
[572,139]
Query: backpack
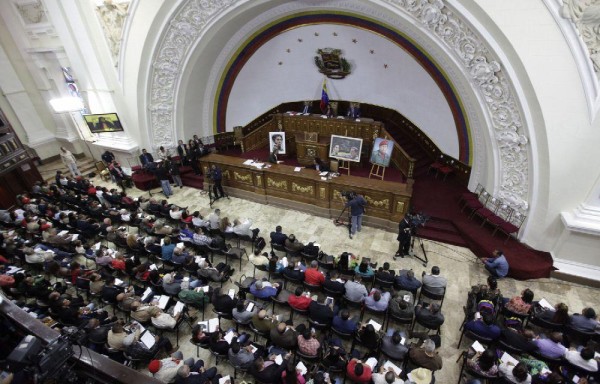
[260,243]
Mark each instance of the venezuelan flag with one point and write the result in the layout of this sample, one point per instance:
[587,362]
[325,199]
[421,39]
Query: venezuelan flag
[324,97]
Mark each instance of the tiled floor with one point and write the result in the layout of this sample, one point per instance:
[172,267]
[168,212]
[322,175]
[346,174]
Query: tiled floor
[459,265]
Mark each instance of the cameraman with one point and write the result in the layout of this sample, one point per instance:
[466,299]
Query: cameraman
[404,236]
[357,205]
[217,177]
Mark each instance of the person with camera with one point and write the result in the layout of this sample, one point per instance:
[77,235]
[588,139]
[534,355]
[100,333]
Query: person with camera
[404,237]
[217,177]
[357,205]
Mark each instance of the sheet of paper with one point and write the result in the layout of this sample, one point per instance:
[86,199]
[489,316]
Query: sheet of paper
[74,237]
[97,246]
[180,245]
[148,339]
[248,162]
[231,293]
[118,281]
[323,173]
[544,303]
[267,284]
[153,267]
[205,288]
[62,233]
[278,360]
[146,293]
[297,169]
[250,307]
[163,301]
[477,347]
[178,308]
[300,366]
[371,362]
[388,364]
[375,325]
[406,298]
[162,241]
[253,348]
[225,379]
[229,337]
[213,325]
[506,359]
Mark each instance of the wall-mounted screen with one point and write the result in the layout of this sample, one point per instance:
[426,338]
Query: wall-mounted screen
[345,148]
[103,122]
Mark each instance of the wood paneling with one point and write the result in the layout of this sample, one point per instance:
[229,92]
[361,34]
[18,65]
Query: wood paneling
[387,200]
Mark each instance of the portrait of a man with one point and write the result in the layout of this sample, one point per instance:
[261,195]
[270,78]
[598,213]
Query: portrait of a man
[277,142]
[382,152]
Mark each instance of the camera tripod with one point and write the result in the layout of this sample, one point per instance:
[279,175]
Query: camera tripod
[212,193]
[412,252]
[339,222]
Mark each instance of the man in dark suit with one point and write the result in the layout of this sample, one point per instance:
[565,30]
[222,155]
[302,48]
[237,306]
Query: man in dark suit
[333,285]
[183,151]
[320,312]
[484,327]
[429,316]
[278,237]
[146,158]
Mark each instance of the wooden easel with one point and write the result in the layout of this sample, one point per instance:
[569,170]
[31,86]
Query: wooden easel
[379,171]
[344,165]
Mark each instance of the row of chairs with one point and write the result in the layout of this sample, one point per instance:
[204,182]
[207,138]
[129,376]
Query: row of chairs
[493,211]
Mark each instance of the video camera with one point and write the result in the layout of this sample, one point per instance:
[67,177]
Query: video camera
[349,195]
[417,219]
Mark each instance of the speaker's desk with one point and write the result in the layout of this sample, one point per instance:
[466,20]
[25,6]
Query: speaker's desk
[306,191]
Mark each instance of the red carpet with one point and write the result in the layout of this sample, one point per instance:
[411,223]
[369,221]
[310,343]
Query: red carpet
[440,200]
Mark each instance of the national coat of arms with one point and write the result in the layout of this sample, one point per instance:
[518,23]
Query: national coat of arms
[332,64]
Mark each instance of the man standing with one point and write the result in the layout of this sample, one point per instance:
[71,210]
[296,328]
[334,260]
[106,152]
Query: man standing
[162,174]
[174,171]
[217,177]
[146,158]
[69,160]
[404,236]
[497,265]
[357,209]
[183,152]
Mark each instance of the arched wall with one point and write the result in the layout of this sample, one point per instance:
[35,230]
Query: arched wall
[196,32]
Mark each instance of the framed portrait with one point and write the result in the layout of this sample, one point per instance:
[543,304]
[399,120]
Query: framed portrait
[277,141]
[105,122]
[382,152]
[345,148]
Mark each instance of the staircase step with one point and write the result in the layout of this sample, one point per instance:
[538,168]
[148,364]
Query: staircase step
[444,237]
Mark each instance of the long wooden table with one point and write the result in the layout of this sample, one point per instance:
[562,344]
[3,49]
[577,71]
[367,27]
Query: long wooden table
[281,185]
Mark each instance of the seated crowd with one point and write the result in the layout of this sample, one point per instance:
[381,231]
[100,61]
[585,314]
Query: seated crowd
[153,263]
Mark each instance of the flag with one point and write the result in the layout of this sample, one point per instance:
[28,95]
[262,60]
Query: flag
[324,98]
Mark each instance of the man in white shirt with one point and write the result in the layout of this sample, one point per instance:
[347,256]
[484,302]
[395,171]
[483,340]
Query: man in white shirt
[214,219]
[386,377]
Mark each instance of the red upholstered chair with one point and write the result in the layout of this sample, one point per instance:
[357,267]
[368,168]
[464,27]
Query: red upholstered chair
[512,226]
[474,205]
[445,170]
[436,165]
[470,196]
[136,168]
[488,210]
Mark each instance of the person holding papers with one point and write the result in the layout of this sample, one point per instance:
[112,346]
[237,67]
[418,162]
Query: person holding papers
[386,376]
[269,371]
[222,302]
[321,313]
[484,363]
[143,313]
[118,339]
[196,374]
[358,372]
[377,301]
[166,370]
[484,327]
[558,315]
[343,323]
[430,315]
[299,300]
[244,311]
[261,290]
[164,320]
[241,356]
[313,276]
[369,337]
[517,374]
[392,345]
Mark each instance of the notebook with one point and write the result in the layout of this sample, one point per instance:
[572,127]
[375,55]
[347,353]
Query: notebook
[388,364]
[178,308]
[148,339]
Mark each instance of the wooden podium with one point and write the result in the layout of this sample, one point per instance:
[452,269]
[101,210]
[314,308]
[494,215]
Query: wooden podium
[310,145]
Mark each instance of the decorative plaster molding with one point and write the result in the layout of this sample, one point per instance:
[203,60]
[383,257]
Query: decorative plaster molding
[584,43]
[32,13]
[181,34]
[112,18]
[585,14]
[583,219]
[433,17]
[573,268]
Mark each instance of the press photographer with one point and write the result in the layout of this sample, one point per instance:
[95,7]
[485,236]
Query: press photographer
[406,229]
[357,204]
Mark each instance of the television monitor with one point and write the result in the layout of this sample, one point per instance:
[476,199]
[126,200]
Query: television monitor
[103,122]
[345,148]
